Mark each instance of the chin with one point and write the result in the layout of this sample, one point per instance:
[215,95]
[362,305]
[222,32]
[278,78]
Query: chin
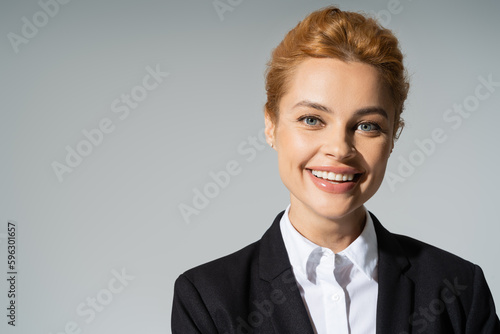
[332,208]
[335,213]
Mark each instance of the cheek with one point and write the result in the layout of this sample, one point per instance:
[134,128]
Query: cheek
[294,149]
[376,156]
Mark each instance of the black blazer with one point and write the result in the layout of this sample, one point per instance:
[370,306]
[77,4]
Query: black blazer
[421,289]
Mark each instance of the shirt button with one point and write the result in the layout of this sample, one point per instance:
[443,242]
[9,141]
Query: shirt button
[335,297]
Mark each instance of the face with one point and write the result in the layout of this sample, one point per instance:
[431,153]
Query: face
[333,137]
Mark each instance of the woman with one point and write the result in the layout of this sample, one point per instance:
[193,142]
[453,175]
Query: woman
[336,88]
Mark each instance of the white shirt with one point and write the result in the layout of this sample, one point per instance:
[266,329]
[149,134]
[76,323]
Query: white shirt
[339,290]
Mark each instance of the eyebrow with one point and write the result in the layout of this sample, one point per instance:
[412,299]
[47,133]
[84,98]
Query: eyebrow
[359,112]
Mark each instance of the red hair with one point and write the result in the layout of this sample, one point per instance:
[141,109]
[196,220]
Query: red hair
[348,36]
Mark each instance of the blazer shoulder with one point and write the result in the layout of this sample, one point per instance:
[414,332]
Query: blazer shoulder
[228,269]
[206,295]
[444,276]
[423,259]
[434,259]
[239,268]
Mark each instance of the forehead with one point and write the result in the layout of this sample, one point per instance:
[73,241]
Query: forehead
[340,85]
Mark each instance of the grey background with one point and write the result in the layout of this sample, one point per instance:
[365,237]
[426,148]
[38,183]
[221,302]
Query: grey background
[119,209]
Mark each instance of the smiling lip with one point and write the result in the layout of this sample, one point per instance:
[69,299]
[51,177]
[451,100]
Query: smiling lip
[335,187]
[336,170]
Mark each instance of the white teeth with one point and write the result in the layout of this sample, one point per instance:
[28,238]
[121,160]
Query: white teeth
[332,176]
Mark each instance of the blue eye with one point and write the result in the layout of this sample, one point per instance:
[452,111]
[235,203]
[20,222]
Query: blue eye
[367,127]
[311,121]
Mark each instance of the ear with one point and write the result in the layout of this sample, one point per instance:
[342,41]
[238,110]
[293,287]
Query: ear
[269,131]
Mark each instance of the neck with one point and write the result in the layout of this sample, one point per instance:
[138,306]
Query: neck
[334,233]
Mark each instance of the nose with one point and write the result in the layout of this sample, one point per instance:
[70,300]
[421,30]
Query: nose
[339,145]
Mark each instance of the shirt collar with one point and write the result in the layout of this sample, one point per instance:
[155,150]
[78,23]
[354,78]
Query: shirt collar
[362,252]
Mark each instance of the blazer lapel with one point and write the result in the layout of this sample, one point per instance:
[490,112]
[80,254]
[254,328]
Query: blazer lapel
[395,292]
[289,313]
[395,289]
